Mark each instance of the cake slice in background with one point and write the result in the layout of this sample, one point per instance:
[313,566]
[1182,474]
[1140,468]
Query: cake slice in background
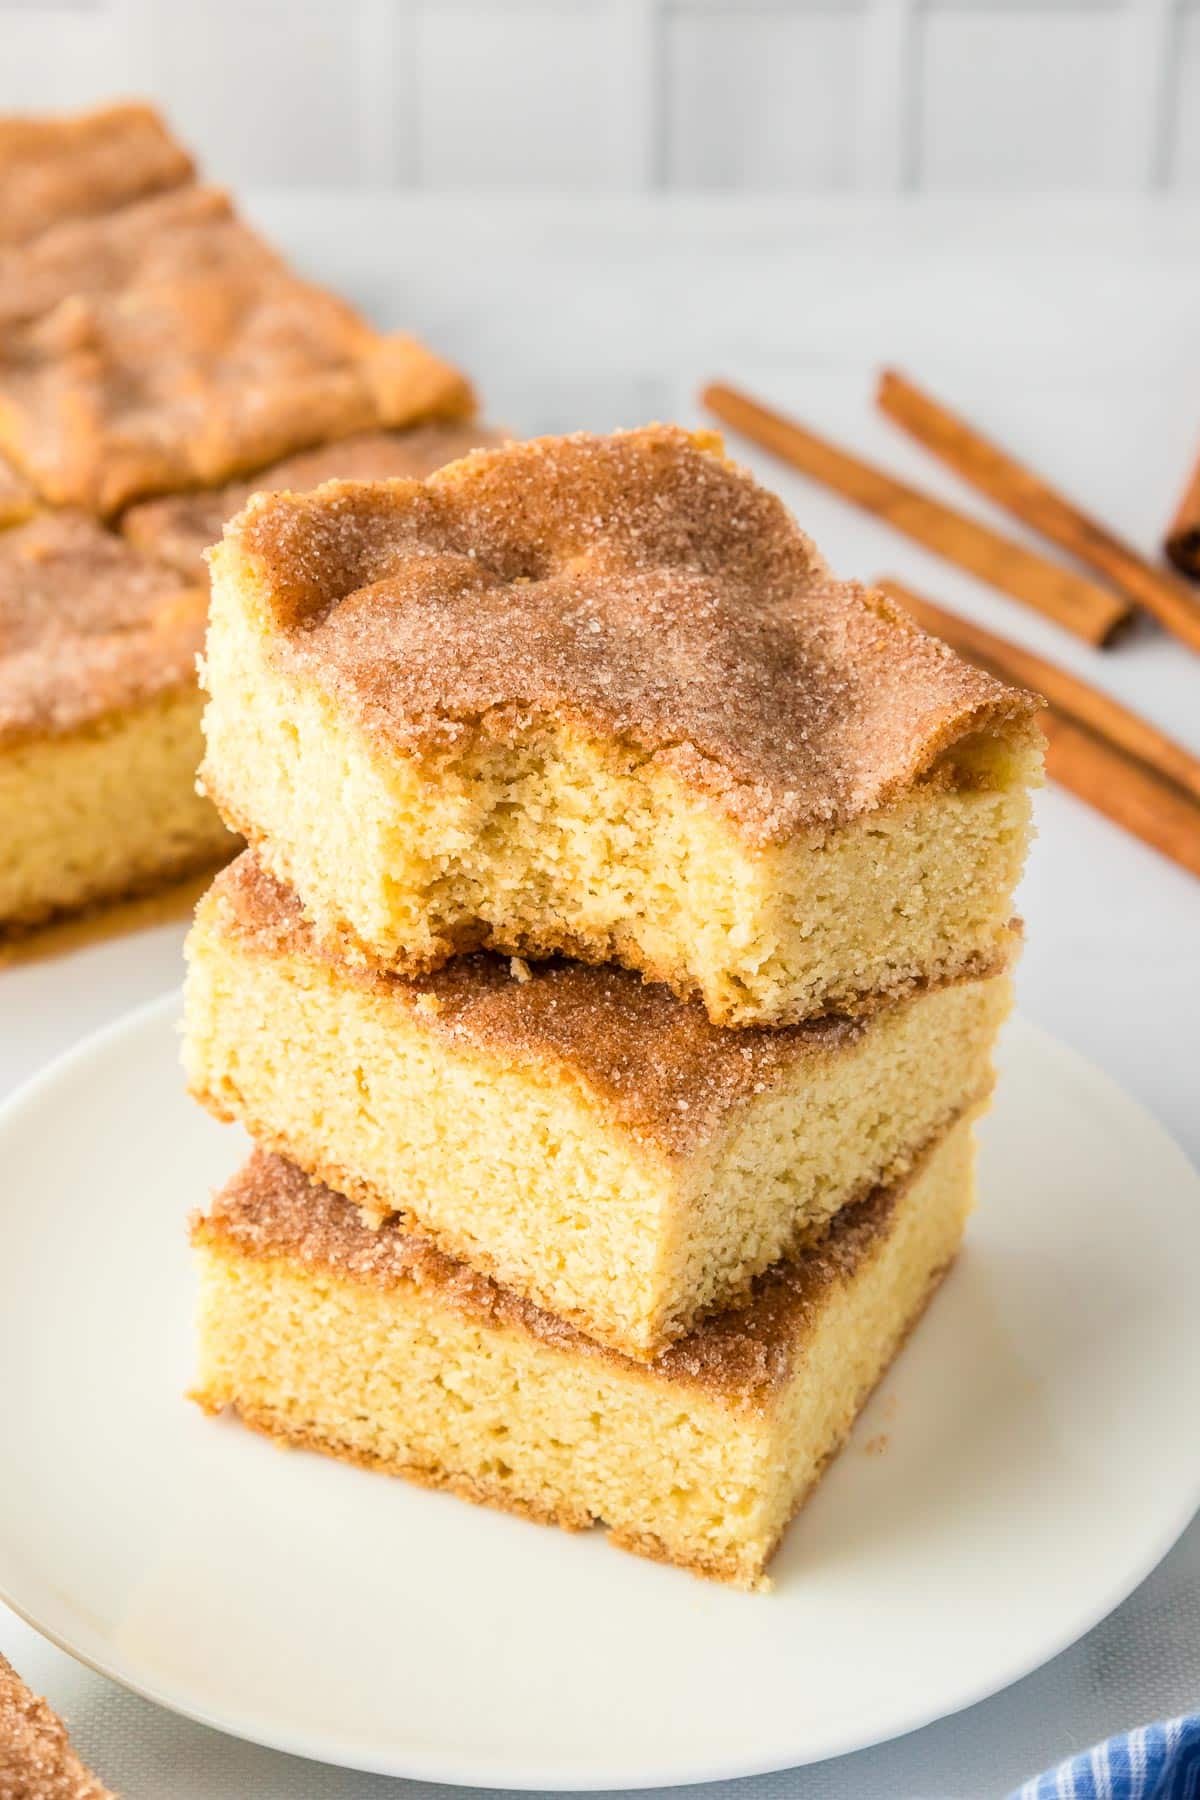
[99,722]
[152,360]
[150,342]
[76,165]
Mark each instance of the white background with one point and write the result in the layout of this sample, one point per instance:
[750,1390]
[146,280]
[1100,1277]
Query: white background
[758,95]
[1069,325]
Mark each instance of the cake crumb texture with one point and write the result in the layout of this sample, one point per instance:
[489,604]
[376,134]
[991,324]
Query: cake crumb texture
[106,812]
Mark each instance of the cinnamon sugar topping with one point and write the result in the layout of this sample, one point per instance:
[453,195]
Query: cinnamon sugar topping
[36,1758]
[98,256]
[87,626]
[74,167]
[270,1209]
[178,528]
[637,586]
[150,356]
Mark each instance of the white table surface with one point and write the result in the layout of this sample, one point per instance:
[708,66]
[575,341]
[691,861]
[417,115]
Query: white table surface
[1072,332]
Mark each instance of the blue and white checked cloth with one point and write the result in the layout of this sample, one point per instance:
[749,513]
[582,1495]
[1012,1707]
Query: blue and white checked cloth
[1152,1762]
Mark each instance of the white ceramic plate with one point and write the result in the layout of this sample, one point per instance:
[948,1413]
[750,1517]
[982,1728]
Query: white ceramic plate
[1028,1460]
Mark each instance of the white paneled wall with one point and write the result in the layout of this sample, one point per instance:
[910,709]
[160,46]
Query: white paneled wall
[1017,95]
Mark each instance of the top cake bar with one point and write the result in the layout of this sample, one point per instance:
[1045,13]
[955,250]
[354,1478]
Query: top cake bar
[600,696]
[166,347]
[82,164]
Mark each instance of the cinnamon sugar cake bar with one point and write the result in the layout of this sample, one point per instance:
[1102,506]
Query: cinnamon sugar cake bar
[588,1139]
[601,697]
[168,346]
[373,1347]
[99,721]
[37,1761]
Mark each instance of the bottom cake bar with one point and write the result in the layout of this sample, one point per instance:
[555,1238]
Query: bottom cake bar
[372,1346]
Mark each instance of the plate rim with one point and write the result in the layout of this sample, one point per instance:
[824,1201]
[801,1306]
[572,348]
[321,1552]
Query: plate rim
[458,1770]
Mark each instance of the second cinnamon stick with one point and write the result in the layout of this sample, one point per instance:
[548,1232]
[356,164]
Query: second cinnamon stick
[1082,756]
[1065,692]
[1031,499]
[1123,791]
[1092,612]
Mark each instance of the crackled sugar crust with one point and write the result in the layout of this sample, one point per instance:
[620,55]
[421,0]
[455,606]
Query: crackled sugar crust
[37,1761]
[638,586]
[86,256]
[372,1347]
[170,348]
[83,164]
[178,528]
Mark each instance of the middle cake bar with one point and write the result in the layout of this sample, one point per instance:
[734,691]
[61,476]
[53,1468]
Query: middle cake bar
[589,1140]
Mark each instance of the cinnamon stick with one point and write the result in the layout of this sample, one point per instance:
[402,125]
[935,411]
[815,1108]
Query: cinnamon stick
[1067,695]
[1123,790]
[1183,536]
[1092,612]
[1079,756]
[1032,500]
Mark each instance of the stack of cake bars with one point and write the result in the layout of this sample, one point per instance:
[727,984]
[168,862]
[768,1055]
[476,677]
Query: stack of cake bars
[154,350]
[610,986]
